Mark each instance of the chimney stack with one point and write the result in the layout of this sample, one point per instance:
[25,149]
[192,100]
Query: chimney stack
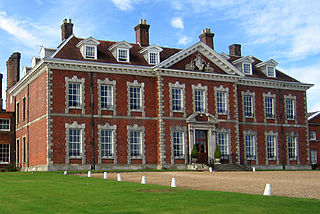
[207,37]
[13,69]
[1,92]
[142,33]
[235,50]
[66,29]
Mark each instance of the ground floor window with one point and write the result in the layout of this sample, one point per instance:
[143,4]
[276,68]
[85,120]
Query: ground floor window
[135,143]
[106,143]
[222,139]
[177,144]
[271,147]
[292,148]
[250,147]
[4,153]
[74,143]
[314,158]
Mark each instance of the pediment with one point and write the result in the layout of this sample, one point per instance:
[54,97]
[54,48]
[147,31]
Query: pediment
[202,118]
[123,44]
[199,57]
[246,59]
[151,48]
[88,41]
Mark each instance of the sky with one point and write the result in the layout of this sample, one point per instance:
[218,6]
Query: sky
[287,31]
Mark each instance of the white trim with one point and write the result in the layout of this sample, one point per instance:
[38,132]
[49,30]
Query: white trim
[136,84]
[5,119]
[112,83]
[81,127]
[113,129]
[140,129]
[76,80]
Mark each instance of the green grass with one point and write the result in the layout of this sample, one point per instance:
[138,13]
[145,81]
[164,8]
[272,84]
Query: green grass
[53,192]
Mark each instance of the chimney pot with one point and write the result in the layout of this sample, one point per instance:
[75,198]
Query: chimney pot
[13,69]
[207,37]
[235,50]
[66,29]
[142,33]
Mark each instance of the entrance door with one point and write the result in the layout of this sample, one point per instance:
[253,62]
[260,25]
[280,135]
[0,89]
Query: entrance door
[202,146]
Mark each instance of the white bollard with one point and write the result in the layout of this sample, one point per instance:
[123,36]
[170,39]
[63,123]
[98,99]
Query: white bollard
[253,169]
[173,182]
[268,189]
[119,177]
[89,174]
[143,180]
[210,169]
[65,172]
[105,175]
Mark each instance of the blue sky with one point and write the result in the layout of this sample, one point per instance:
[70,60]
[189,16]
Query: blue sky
[287,31]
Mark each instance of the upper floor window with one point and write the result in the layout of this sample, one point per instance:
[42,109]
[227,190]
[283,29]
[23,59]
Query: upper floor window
[313,135]
[248,105]
[290,113]
[269,107]
[123,55]
[250,147]
[176,96]
[221,102]
[4,153]
[18,112]
[199,100]
[135,98]
[4,124]
[106,95]
[292,147]
[74,94]
[24,109]
[75,150]
[271,71]
[247,68]
[151,54]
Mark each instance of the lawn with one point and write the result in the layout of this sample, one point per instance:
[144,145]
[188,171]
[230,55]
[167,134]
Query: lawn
[52,192]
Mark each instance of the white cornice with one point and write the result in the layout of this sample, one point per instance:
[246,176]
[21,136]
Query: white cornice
[274,84]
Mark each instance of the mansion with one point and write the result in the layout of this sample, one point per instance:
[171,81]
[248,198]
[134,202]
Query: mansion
[96,104]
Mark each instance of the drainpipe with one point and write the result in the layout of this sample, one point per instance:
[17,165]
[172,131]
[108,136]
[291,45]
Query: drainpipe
[281,103]
[27,111]
[93,165]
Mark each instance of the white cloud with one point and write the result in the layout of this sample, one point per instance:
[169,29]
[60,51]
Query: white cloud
[177,22]
[123,4]
[184,40]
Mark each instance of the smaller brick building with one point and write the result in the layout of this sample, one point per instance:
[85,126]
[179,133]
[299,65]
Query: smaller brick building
[314,138]
[7,134]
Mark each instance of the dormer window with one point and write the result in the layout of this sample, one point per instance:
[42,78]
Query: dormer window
[89,48]
[90,52]
[120,51]
[151,54]
[153,58]
[271,71]
[123,55]
[247,69]
[268,68]
[244,65]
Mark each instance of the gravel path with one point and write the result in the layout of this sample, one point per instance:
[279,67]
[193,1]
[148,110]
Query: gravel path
[302,184]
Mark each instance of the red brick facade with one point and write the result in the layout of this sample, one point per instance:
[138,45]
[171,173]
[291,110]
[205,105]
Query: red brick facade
[146,125]
[314,138]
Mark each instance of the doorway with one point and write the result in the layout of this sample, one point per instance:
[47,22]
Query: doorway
[201,144]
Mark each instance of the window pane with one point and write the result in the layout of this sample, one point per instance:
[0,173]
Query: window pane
[106,96]
[269,107]
[135,98]
[199,100]
[221,102]
[271,147]
[153,58]
[106,143]
[176,99]
[248,106]
[74,142]
[250,147]
[290,109]
[122,55]
[135,143]
[5,124]
[74,94]
[292,148]
[177,144]
[4,153]
[222,139]
[90,52]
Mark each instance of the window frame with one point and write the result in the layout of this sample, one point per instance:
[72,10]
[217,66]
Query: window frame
[120,57]
[107,148]
[140,99]
[178,144]
[108,97]
[93,51]
[2,126]
[313,135]
[269,115]
[156,57]
[70,150]
[135,140]
[6,155]
[75,80]
[248,110]
[224,148]
[313,157]
[271,147]
[292,148]
[273,71]
[222,103]
[175,100]
[244,64]
[290,109]
[250,146]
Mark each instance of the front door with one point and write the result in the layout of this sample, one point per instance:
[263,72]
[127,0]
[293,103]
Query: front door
[202,146]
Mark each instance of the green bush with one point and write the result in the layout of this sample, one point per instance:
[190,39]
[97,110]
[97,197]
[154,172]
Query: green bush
[194,153]
[11,167]
[217,153]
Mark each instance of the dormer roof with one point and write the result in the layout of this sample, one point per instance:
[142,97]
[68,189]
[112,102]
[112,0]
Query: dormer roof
[122,44]
[88,41]
[153,48]
[270,62]
[247,59]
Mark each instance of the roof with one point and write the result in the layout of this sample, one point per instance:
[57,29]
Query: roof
[312,115]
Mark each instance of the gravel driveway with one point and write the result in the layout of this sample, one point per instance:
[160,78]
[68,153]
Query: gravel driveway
[302,184]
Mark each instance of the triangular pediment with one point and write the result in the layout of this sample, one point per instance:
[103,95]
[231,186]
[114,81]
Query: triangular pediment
[123,44]
[202,118]
[88,41]
[203,59]
[151,48]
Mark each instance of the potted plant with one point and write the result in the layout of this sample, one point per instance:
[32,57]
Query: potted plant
[217,155]
[194,154]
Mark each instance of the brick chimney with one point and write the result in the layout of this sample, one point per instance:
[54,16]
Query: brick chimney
[207,37]
[13,69]
[66,29]
[1,92]
[235,50]
[142,33]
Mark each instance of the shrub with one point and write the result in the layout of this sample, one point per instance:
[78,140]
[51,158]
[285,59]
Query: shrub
[217,153]
[194,153]
[11,167]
